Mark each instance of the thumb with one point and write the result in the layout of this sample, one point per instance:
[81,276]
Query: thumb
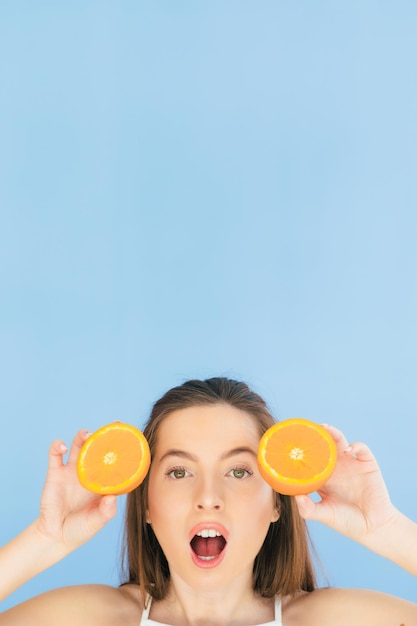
[308,509]
[103,513]
[108,507]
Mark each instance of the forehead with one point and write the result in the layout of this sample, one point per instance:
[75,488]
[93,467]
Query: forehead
[217,422]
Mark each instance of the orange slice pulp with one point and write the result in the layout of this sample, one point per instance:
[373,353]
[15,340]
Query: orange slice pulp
[296,456]
[114,460]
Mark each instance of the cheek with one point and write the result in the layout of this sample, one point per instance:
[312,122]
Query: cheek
[152,508]
[163,504]
[264,506]
[256,504]
[262,494]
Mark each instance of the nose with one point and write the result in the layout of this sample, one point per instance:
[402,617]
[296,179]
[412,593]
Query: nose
[208,495]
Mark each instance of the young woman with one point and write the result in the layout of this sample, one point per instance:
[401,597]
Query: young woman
[208,542]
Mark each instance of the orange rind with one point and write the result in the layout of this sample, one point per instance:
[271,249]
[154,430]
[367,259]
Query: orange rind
[296,456]
[114,459]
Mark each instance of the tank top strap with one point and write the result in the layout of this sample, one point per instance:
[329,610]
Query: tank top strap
[146,609]
[278,611]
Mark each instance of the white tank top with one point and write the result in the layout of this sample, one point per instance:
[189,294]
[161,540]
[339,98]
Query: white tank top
[145,621]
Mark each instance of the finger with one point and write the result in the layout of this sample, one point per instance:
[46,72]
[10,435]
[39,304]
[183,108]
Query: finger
[57,449]
[103,513]
[108,506]
[314,511]
[308,509]
[360,451]
[76,445]
[338,436]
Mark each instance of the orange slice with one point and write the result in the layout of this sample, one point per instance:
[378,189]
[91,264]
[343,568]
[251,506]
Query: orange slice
[114,460]
[296,456]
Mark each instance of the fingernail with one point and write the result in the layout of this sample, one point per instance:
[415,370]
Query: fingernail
[349,449]
[63,447]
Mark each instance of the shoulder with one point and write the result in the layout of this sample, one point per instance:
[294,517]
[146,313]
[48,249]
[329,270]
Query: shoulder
[326,607]
[84,605]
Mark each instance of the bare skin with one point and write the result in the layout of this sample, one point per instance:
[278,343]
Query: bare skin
[354,502]
[93,605]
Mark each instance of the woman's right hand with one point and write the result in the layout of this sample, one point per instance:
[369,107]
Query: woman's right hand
[70,514]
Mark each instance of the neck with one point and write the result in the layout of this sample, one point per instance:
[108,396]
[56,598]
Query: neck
[236,604]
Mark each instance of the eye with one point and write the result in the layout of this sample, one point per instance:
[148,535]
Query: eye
[177,473]
[240,472]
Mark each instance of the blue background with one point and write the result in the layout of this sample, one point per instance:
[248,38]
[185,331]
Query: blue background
[192,189]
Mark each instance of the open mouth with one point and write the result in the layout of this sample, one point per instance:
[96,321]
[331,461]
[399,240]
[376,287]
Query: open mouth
[207,546]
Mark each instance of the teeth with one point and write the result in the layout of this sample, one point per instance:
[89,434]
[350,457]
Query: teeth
[206,558]
[208,533]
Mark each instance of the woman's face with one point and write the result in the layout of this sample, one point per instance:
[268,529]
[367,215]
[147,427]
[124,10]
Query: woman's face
[207,503]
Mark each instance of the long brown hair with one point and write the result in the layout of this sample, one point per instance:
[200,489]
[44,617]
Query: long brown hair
[283,564]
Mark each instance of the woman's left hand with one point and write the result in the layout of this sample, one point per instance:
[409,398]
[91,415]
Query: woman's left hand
[355,500]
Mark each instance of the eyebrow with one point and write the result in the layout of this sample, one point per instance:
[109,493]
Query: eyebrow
[191,457]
